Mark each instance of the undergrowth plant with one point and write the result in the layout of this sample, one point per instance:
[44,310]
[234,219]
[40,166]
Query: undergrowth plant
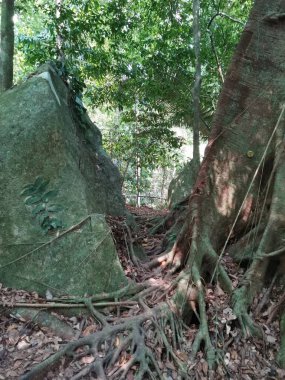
[38,200]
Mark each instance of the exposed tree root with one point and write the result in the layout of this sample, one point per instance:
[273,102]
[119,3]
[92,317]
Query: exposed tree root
[190,293]
[130,248]
[203,334]
[243,296]
[240,306]
[125,341]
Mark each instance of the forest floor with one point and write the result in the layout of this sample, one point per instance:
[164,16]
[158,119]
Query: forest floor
[25,343]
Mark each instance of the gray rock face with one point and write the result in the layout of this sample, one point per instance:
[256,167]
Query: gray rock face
[53,174]
[181,185]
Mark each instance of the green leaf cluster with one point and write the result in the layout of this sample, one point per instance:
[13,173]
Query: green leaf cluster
[38,198]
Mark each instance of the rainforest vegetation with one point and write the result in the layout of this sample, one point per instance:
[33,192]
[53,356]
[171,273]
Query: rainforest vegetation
[156,76]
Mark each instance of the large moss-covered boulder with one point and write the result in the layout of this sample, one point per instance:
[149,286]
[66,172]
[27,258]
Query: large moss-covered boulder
[54,173]
[181,185]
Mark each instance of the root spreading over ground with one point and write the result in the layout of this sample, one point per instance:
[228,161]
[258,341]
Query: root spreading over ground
[163,325]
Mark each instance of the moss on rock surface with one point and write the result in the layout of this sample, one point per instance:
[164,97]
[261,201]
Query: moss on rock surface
[42,136]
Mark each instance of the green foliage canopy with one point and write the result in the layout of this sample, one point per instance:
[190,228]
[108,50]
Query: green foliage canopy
[137,52]
[135,56]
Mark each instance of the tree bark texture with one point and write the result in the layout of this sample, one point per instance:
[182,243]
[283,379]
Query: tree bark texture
[6,45]
[222,204]
[238,187]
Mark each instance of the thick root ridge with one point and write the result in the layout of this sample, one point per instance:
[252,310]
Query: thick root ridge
[240,307]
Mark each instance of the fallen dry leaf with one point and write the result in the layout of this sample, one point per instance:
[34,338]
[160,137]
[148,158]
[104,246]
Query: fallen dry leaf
[87,359]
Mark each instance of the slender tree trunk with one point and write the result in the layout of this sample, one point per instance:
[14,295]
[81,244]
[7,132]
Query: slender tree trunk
[197,86]
[6,45]
[138,159]
[138,182]
[163,183]
[59,37]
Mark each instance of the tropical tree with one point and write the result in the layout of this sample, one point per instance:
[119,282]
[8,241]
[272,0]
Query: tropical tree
[237,196]
[6,44]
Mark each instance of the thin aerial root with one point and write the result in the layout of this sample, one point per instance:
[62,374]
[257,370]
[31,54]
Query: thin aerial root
[130,248]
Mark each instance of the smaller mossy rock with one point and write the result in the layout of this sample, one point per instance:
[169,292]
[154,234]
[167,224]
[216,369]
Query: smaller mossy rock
[54,172]
[180,186]
[46,320]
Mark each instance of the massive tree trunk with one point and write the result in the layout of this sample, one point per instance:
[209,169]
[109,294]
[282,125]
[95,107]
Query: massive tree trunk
[6,45]
[240,182]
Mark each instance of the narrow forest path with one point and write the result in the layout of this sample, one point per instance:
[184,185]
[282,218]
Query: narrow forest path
[24,342]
